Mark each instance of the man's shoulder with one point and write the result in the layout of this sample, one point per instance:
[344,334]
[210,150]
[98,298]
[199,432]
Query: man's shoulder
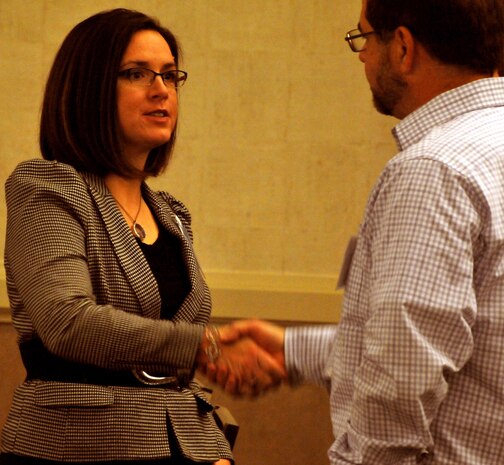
[467,143]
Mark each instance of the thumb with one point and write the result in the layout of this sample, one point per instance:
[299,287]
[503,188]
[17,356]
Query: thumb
[229,334]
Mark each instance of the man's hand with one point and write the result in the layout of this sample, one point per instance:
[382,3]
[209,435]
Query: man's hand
[268,336]
[249,357]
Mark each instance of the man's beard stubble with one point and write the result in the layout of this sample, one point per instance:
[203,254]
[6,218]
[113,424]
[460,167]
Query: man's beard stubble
[389,89]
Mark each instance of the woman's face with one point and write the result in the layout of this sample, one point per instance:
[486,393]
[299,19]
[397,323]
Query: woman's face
[147,115]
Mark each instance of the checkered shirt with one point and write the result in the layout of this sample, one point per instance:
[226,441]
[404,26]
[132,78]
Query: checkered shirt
[416,366]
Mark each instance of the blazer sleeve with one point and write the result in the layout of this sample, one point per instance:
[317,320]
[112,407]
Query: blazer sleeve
[51,220]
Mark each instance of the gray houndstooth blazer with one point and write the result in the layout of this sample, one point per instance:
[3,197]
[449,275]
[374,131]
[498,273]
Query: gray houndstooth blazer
[78,281]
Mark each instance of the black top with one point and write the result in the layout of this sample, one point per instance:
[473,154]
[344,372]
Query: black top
[167,265]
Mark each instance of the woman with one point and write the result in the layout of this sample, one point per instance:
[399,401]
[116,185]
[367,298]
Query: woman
[105,290]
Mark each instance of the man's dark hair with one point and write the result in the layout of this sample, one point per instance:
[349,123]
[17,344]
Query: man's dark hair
[79,122]
[466,33]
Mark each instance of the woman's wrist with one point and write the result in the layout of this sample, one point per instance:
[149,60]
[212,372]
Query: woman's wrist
[210,347]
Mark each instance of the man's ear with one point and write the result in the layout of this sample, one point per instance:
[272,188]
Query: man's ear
[405,48]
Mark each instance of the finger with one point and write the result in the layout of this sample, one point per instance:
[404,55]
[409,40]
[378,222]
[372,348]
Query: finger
[256,380]
[232,385]
[271,366]
[228,334]
[257,386]
[246,389]
[210,371]
[263,382]
[222,372]
[243,327]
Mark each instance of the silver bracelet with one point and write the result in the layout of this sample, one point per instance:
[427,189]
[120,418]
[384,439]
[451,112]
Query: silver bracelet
[212,350]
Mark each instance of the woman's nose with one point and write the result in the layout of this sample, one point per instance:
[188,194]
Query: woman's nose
[158,88]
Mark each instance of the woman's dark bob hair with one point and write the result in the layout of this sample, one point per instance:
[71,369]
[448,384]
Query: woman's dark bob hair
[79,122]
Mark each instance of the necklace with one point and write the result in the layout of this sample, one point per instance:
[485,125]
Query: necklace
[136,228]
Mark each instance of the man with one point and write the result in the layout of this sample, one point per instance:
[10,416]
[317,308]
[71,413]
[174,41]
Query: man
[416,366]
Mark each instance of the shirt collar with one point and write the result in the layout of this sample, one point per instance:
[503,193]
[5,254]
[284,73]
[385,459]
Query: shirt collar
[476,95]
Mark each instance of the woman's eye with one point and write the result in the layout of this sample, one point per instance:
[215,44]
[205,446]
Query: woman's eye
[169,76]
[136,74]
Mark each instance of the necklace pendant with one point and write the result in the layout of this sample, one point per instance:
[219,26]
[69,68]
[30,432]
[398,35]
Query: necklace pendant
[138,231]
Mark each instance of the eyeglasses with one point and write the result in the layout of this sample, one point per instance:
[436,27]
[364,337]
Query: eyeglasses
[357,39]
[144,77]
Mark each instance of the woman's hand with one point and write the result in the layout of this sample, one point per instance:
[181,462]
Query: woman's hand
[238,364]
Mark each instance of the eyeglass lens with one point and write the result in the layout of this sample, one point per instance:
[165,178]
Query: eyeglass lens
[358,43]
[145,77]
[356,40]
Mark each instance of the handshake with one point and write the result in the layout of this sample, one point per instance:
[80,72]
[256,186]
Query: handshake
[245,358]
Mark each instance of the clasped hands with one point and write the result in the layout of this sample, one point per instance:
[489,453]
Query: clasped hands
[249,357]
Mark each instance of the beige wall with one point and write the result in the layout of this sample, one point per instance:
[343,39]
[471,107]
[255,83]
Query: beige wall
[278,148]
[278,145]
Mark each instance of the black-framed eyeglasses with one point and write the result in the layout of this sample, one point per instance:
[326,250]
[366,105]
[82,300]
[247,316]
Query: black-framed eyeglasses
[144,77]
[357,39]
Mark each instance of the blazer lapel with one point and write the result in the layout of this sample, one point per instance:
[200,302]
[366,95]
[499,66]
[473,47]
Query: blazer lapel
[128,253]
[164,211]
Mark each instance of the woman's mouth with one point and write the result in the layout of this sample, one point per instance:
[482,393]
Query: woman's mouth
[158,113]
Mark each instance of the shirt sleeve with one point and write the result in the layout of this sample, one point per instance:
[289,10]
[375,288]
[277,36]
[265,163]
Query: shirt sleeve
[424,226]
[307,350]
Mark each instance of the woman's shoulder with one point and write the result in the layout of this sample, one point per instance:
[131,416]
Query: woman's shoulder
[37,176]
[44,173]
[39,167]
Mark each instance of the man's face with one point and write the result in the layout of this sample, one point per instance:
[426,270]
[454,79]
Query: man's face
[387,86]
